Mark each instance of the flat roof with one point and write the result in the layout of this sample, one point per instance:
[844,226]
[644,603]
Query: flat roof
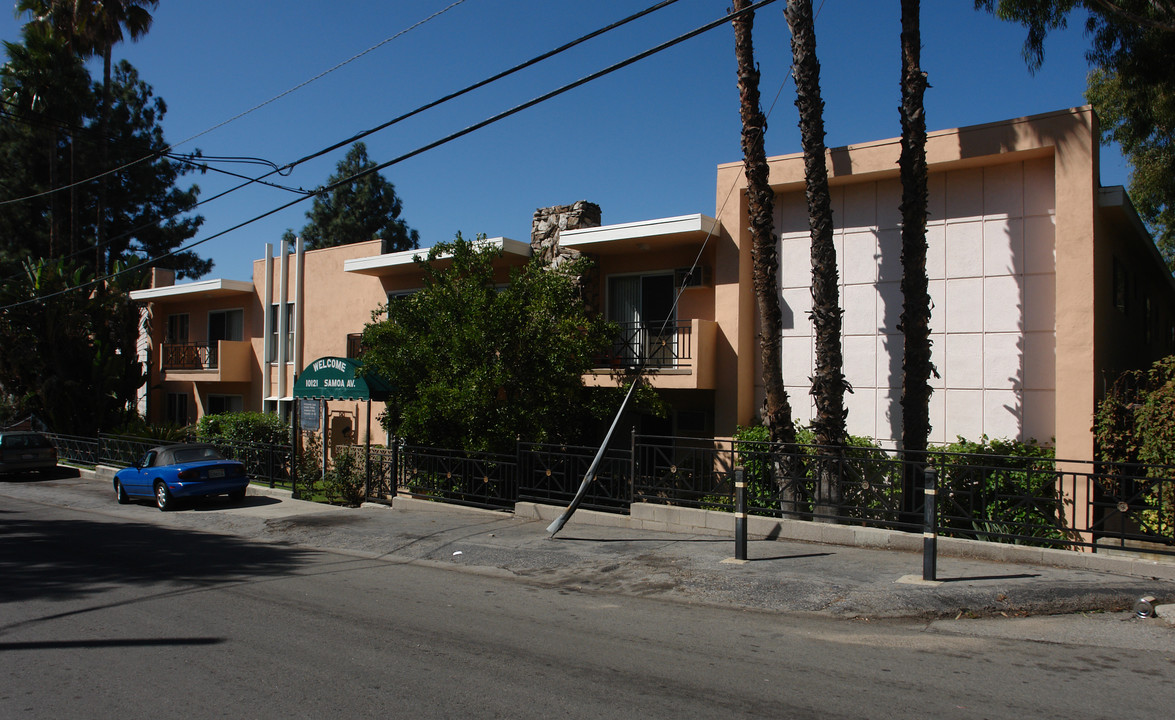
[201,289]
[391,262]
[681,227]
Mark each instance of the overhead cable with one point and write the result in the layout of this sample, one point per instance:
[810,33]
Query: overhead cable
[239,115]
[422,149]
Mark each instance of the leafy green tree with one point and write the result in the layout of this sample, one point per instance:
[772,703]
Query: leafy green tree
[358,210]
[1132,88]
[70,344]
[478,366]
[71,360]
[53,115]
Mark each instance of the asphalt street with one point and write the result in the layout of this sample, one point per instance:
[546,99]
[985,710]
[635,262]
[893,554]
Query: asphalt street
[797,577]
[281,609]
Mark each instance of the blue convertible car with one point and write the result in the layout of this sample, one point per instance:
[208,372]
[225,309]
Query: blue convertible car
[181,471]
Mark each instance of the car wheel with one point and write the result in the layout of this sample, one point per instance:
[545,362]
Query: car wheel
[120,493]
[237,495]
[163,496]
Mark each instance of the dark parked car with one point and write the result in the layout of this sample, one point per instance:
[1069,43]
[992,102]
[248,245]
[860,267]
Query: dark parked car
[172,472]
[21,451]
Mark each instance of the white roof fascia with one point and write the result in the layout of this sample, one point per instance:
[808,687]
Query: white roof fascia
[372,265]
[681,224]
[202,287]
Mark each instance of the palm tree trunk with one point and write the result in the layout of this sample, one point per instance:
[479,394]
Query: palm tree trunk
[915,321]
[828,383]
[777,414]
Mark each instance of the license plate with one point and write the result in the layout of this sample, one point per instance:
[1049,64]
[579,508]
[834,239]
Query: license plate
[216,473]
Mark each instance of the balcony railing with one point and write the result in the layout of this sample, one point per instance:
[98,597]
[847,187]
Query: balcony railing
[189,356]
[650,345]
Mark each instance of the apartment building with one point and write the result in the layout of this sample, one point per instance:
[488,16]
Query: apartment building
[1044,284]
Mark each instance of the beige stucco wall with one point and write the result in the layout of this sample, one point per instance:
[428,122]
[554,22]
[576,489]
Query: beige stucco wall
[1011,261]
[992,284]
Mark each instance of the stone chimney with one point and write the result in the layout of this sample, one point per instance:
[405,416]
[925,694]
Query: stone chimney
[544,242]
[548,222]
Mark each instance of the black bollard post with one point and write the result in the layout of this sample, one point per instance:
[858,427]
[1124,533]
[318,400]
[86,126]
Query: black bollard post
[740,514]
[929,525]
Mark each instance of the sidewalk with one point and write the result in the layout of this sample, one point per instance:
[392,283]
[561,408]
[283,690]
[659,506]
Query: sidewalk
[669,555]
[603,553]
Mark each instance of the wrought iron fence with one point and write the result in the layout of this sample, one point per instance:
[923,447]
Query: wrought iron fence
[477,479]
[124,450]
[381,480]
[265,463]
[1030,500]
[649,345]
[74,449]
[1024,500]
[1130,505]
[553,474]
[189,356]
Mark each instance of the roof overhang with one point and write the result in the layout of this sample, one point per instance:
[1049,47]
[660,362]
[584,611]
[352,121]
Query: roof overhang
[405,260]
[656,234]
[1116,203]
[200,290]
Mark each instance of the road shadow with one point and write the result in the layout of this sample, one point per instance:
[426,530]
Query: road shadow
[222,502]
[67,559]
[61,472]
[800,556]
[970,578]
[651,539]
[206,504]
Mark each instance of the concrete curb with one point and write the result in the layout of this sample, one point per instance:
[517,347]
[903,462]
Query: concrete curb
[646,516]
[665,518]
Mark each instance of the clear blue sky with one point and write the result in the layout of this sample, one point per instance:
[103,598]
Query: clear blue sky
[642,143]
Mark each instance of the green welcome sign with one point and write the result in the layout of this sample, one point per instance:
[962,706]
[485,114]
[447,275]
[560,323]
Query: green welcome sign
[336,378]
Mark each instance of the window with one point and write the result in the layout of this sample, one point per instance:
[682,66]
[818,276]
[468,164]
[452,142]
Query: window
[177,328]
[218,404]
[642,305]
[1149,320]
[275,332]
[354,345]
[226,325]
[223,325]
[177,408]
[1121,287]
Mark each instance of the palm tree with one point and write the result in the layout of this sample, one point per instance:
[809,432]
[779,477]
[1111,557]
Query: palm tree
[828,383]
[915,321]
[777,413]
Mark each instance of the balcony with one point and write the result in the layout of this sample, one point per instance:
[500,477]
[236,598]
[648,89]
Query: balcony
[679,356]
[217,361]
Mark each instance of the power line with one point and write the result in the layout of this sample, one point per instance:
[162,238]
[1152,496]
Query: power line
[286,169]
[239,115]
[424,148]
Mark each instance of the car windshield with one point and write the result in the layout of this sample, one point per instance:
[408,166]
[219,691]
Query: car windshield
[188,455]
[25,441]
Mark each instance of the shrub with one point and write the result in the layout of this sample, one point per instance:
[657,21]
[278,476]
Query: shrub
[1000,487]
[309,459]
[1135,424]
[244,427]
[344,480]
